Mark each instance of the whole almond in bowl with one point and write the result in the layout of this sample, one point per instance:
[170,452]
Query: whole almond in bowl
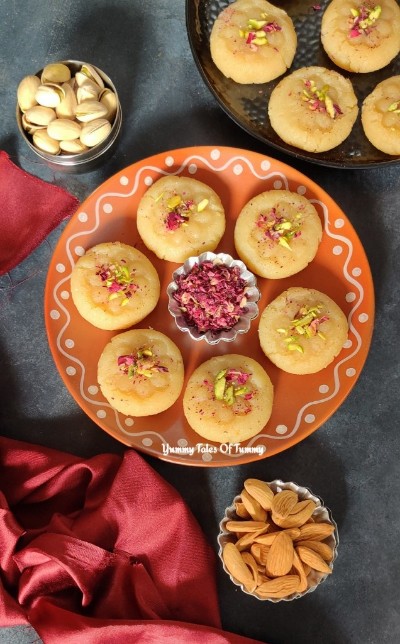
[277,541]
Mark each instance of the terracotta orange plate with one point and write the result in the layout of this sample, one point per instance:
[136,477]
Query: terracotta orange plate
[302,403]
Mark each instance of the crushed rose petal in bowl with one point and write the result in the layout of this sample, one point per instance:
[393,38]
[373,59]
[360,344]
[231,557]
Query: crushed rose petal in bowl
[213,297]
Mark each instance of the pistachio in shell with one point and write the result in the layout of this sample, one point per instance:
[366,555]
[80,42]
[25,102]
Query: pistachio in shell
[64,130]
[109,99]
[30,127]
[90,72]
[44,142]
[89,111]
[55,73]
[39,115]
[88,91]
[26,92]
[73,147]
[95,132]
[49,95]
[66,108]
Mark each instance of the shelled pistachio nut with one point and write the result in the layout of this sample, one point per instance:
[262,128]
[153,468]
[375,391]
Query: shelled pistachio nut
[39,115]
[55,73]
[49,95]
[95,132]
[26,92]
[89,111]
[64,130]
[44,142]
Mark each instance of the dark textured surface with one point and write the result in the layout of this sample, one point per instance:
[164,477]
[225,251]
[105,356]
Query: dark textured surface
[352,461]
[247,104]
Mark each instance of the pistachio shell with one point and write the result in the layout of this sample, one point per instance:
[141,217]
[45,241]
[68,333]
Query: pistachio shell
[39,115]
[44,142]
[26,92]
[55,73]
[64,130]
[91,73]
[73,147]
[89,111]
[49,95]
[109,99]
[95,132]
[87,92]
[66,109]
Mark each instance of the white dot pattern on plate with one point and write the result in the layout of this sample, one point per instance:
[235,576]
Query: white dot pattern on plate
[124,180]
[301,190]
[337,250]
[309,418]
[148,181]
[237,169]
[147,442]
[129,422]
[206,457]
[347,344]
[80,251]
[83,217]
[350,297]
[281,429]
[363,317]
[64,295]
[60,268]
[101,413]
[215,154]
[54,314]
[356,271]
[169,161]
[265,165]
[339,223]
[323,389]
[277,185]
[70,371]
[182,442]
[107,208]
[93,389]
[69,343]
[192,168]
[350,372]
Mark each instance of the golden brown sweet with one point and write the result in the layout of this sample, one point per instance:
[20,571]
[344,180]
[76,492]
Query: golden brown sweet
[140,372]
[228,398]
[361,35]
[302,330]
[277,233]
[380,116]
[179,217]
[313,109]
[252,41]
[114,286]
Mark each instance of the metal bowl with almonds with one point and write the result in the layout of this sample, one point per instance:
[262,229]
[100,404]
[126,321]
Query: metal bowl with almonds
[278,540]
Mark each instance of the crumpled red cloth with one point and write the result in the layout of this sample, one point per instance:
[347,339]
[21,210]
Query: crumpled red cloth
[30,209]
[102,550]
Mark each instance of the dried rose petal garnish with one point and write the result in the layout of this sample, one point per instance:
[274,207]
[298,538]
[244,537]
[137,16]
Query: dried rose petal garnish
[118,280]
[363,20]
[305,325]
[279,229]
[319,99]
[141,363]
[211,296]
[179,211]
[256,32]
[230,384]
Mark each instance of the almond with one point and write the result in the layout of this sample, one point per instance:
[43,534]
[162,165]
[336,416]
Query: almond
[279,587]
[313,559]
[235,565]
[283,503]
[319,547]
[252,565]
[253,507]
[296,519]
[245,526]
[315,531]
[248,538]
[268,538]
[299,568]
[280,555]
[307,503]
[241,510]
[260,491]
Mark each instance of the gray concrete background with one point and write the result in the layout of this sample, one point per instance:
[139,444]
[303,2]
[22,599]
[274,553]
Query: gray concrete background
[352,461]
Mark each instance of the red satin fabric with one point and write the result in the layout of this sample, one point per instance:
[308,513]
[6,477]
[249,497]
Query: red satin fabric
[102,549]
[29,210]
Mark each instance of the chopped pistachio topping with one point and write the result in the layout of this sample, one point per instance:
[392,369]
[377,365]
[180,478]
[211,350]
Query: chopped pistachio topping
[363,20]
[394,107]
[255,33]
[305,325]
[180,209]
[229,384]
[142,363]
[319,99]
[118,280]
[278,228]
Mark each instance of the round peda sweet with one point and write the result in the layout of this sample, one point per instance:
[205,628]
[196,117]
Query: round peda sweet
[380,116]
[140,372]
[179,217]
[277,233]
[252,41]
[302,330]
[114,286]
[363,35]
[313,109]
[228,399]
